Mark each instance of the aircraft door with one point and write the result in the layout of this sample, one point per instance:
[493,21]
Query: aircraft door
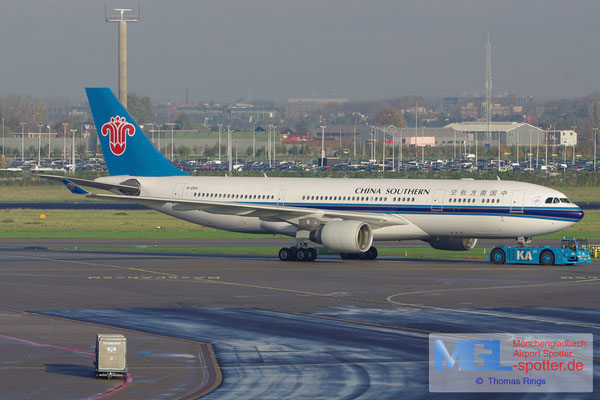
[281,197]
[516,203]
[178,190]
[437,201]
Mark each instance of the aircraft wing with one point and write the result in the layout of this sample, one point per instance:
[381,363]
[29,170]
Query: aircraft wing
[292,215]
[89,183]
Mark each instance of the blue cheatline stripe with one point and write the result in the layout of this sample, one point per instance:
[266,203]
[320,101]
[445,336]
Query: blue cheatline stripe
[559,214]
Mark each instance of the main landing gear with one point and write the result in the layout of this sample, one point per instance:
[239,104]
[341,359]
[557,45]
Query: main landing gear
[310,254]
[301,251]
[370,254]
[298,254]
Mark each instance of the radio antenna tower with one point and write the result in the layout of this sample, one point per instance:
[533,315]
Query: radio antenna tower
[122,19]
[488,86]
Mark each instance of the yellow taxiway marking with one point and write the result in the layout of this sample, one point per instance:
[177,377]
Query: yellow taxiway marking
[530,285]
[171,278]
[295,291]
[99,265]
[499,315]
[45,269]
[264,287]
[43,276]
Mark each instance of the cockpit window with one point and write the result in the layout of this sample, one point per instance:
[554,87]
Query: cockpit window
[564,200]
[549,200]
[556,200]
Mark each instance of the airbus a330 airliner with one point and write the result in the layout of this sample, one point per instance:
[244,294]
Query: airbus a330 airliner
[344,215]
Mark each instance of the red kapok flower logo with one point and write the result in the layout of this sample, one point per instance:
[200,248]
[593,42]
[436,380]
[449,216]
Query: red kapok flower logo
[117,130]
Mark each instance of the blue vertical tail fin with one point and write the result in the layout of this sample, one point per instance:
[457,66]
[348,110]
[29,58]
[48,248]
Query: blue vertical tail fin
[127,150]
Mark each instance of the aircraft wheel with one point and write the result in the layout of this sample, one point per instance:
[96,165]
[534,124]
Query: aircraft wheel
[498,256]
[301,255]
[312,254]
[372,253]
[547,257]
[286,254]
[354,256]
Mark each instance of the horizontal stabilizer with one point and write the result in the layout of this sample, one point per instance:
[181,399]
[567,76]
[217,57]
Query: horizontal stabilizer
[89,183]
[73,187]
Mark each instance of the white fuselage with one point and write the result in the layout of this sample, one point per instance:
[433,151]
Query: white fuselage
[434,208]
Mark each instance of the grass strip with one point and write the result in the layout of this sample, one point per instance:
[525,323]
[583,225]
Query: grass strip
[106,224]
[407,252]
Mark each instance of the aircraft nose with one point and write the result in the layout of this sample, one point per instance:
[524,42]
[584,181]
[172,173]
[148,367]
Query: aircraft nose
[578,213]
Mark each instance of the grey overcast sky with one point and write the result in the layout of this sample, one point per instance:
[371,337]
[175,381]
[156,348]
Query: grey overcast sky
[360,49]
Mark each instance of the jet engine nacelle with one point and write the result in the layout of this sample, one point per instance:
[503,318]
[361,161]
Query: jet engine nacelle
[458,244]
[344,236]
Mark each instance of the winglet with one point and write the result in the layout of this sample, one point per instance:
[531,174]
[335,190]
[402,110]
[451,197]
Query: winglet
[73,187]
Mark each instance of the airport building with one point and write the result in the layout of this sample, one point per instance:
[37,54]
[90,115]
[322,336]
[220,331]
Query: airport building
[564,138]
[471,133]
[508,133]
[298,107]
[238,115]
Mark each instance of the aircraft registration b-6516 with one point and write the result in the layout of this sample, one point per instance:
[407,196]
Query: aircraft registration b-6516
[344,215]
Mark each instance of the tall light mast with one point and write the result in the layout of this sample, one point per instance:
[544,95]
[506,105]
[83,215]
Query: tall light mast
[122,19]
[488,86]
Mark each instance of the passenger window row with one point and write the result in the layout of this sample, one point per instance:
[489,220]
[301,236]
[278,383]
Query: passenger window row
[471,200]
[235,196]
[238,196]
[357,198]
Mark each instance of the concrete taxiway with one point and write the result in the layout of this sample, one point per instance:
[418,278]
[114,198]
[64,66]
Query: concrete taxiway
[255,327]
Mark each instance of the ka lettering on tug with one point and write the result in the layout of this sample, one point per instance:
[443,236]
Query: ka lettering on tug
[343,215]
